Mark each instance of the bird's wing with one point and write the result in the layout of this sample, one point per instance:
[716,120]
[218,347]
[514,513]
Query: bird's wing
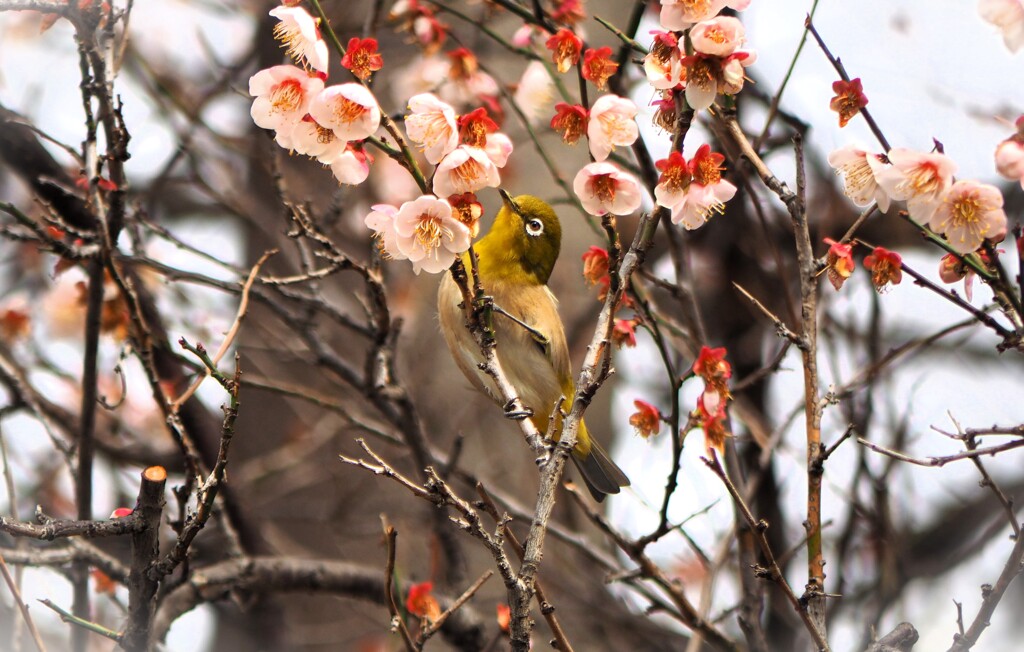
[536,360]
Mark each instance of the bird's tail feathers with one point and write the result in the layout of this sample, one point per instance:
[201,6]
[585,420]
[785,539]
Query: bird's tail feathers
[601,475]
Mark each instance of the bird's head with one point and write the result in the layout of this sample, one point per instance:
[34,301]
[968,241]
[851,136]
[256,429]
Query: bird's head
[525,237]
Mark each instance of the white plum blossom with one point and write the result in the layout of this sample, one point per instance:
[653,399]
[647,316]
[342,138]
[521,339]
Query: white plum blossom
[312,139]
[535,93]
[382,221]
[1008,16]
[677,15]
[349,109]
[603,188]
[859,168]
[429,235]
[498,148]
[465,169]
[970,213]
[612,123]
[297,30]
[432,125]
[283,96]
[917,177]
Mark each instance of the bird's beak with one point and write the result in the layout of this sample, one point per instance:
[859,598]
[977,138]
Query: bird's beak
[507,198]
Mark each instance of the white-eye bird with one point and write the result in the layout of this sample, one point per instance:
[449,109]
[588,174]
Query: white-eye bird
[515,261]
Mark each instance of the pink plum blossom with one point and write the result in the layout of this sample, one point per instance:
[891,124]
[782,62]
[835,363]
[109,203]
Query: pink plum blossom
[677,15]
[1010,155]
[429,235]
[719,37]
[706,192]
[707,76]
[604,188]
[298,32]
[283,95]
[919,178]
[612,123]
[349,109]
[352,166]
[465,169]
[1008,16]
[431,124]
[663,65]
[859,168]
[969,213]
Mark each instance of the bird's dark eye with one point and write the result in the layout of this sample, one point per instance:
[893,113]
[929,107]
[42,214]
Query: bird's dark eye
[534,227]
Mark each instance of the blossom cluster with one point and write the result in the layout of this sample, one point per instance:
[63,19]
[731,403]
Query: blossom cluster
[455,109]
[716,66]
[712,367]
[327,123]
[967,213]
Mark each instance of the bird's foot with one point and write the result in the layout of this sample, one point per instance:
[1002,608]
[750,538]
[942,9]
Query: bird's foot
[516,411]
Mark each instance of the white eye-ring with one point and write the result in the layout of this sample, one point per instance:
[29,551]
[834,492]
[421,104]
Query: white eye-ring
[534,227]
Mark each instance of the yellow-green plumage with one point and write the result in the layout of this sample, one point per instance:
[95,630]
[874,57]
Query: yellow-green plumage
[515,261]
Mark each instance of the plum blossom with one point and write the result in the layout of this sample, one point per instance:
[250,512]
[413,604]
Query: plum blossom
[352,166]
[283,95]
[1008,16]
[839,262]
[1010,155]
[663,65]
[712,415]
[673,182]
[718,37]
[624,333]
[665,113]
[603,188]
[468,210]
[421,602]
[919,178]
[849,99]
[432,125]
[571,120]
[381,221]
[422,75]
[612,123]
[312,139]
[429,235]
[970,213]
[298,32]
[859,168]
[646,420]
[598,66]
[465,169]
[465,82]
[565,49]
[714,369]
[886,268]
[707,76]
[677,15]
[535,92]
[498,147]
[696,195]
[595,264]
[362,58]
[349,109]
